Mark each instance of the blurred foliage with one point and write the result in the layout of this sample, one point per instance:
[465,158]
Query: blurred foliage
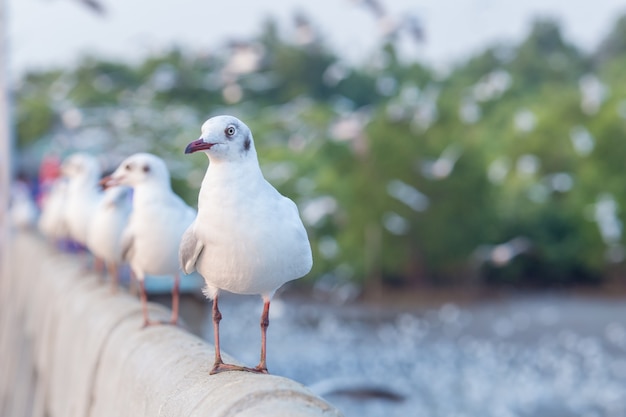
[505,170]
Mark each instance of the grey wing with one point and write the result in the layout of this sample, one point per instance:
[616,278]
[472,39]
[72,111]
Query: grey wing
[190,249]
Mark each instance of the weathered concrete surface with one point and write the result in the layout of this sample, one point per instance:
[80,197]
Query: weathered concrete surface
[71,348]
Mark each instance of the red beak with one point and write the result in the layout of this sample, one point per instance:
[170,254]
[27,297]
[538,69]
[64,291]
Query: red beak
[108,182]
[198,145]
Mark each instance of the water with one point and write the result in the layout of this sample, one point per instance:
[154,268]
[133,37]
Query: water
[531,356]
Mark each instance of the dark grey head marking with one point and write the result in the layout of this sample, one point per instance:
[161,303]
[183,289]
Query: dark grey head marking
[146,168]
[230,132]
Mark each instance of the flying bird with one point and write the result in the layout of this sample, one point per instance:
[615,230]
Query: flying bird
[247,237]
[157,222]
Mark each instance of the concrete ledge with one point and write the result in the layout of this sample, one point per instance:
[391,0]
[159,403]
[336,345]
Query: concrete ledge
[87,355]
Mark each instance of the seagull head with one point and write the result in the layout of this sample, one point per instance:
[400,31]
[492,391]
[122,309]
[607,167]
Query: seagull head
[81,167]
[137,169]
[225,138]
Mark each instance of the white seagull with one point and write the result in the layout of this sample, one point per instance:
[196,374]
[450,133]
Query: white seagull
[247,238]
[22,207]
[105,231]
[157,222]
[52,220]
[83,193]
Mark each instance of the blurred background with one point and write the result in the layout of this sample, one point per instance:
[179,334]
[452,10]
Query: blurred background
[458,165]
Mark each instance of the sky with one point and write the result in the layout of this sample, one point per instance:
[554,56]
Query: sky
[45,33]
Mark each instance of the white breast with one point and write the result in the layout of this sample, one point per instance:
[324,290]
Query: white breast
[253,236]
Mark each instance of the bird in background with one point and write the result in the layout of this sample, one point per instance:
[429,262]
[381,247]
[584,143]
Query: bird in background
[83,172]
[51,222]
[247,237]
[157,222]
[22,208]
[77,206]
[105,232]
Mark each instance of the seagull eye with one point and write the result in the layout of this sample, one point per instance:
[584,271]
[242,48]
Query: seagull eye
[146,168]
[230,131]
[127,167]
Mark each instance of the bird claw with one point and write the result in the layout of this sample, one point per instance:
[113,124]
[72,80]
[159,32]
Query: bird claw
[258,370]
[225,367]
[159,323]
[149,323]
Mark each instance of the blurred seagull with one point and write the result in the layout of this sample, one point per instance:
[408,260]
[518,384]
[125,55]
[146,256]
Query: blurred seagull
[22,207]
[503,253]
[107,225]
[157,222]
[247,238]
[52,219]
[443,166]
[83,194]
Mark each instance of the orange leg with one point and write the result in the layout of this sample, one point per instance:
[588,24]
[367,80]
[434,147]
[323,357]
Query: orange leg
[98,266]
[144,304]
[219,365]
[265,322]
[114,276]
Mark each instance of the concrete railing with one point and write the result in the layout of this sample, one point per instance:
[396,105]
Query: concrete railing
[71,348]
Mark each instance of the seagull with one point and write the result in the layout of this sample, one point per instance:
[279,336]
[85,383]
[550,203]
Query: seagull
[83,193]
[247,238]
[106,228]
[157,222]
[52,220]
[22,207]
